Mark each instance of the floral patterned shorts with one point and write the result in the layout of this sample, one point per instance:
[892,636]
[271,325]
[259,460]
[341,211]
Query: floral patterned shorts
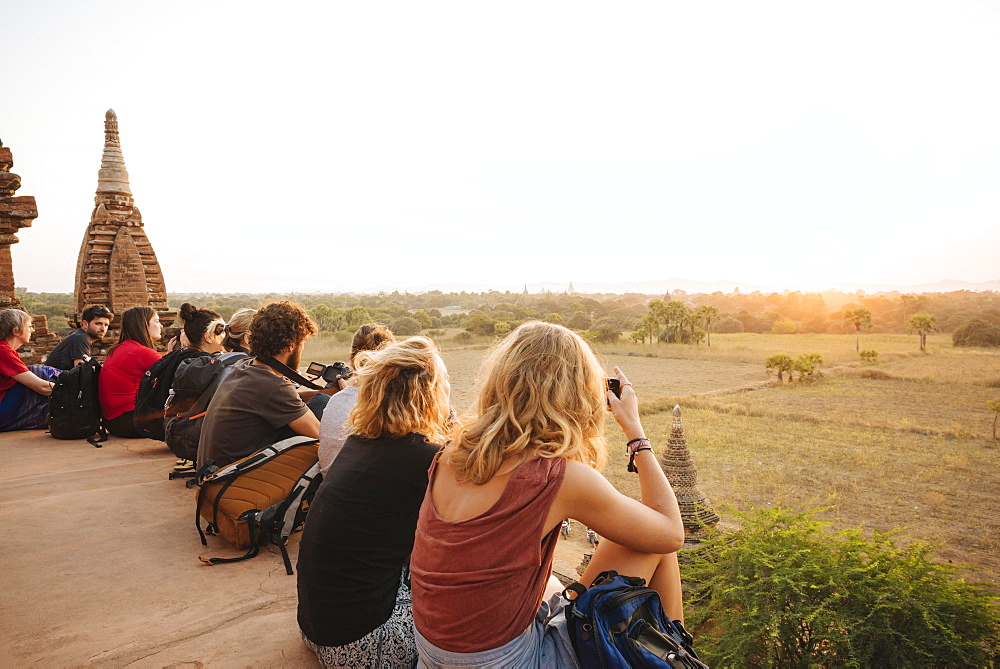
[388,646]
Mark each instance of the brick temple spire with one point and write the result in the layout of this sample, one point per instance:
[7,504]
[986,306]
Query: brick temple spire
[683,475]
[18,212]
[117,266]
[15,213]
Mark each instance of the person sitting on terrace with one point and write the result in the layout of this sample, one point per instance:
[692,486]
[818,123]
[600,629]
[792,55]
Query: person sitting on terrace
[333,427]
[24,391]
[529,457]
[353,585]
[75,348]
[238,331]
[257,404]
[124,368]
[204,329]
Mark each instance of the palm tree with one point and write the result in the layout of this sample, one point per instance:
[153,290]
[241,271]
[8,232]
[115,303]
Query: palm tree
[994,405]
[923,324]
[675,312]
[651,324]
[781,363]
[708,314]
[859,318]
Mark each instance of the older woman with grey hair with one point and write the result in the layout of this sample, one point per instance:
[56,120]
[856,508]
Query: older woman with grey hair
[24,391]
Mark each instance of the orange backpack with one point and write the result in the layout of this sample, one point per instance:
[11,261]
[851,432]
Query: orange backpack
[260,499]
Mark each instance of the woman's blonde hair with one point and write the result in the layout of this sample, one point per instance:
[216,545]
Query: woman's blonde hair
[238,326]
[541,392]
[400,391]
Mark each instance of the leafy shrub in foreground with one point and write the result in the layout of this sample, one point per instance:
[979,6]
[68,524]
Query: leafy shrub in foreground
[783,591]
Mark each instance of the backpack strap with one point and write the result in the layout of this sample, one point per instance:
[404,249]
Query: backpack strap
[204,473]
[286,371]
[101,436]
[275,523]
[201,404]
[250,518]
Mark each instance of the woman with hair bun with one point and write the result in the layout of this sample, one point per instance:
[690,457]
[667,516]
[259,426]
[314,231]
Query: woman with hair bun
[205,330]
[238,331]
[353,584]
[333,426]
[529,457]
[124,367]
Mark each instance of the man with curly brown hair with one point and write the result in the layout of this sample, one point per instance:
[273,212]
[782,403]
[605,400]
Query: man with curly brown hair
[256,404]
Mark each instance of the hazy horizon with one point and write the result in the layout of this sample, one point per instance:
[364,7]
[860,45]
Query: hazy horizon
[646,288]
[335,147]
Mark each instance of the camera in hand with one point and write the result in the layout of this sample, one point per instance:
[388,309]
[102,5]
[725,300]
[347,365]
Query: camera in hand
[330,373]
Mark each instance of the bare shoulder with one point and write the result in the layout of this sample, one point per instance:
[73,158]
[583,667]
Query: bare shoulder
[582,482]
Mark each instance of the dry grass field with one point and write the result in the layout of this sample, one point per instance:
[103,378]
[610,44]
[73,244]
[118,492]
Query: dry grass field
[908,449]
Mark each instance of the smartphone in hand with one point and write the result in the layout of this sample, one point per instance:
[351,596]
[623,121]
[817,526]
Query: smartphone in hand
[615,386]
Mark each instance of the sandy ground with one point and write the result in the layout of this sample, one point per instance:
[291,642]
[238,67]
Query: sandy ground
[100,566]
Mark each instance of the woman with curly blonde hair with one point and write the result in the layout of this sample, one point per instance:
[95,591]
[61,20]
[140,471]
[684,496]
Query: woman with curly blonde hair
[353,582]
[529,457]
[333,428]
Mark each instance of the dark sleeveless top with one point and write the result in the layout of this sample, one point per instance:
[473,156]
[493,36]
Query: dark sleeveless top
[358,536]
[478,583]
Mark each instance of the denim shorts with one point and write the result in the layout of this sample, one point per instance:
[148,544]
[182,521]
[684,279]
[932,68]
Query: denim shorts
[544,644]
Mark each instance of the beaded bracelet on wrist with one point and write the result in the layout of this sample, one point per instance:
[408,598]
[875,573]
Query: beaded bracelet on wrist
[633,447]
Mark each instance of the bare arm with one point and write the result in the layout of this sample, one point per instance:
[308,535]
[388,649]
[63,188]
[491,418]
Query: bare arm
[588,497]
[33,382]
[651,526]
[306,425]
[307,394]
[654,487]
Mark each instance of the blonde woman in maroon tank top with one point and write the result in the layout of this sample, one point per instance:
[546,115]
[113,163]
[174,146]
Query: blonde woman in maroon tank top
[528,457]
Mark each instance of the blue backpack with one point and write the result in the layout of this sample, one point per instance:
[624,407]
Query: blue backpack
[619,623]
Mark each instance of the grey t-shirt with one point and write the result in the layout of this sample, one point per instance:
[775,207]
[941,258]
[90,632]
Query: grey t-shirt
[247,413]
[333,428]
[75,346]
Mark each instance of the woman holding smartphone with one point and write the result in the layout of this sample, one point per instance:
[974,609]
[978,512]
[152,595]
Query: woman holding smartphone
[529,457]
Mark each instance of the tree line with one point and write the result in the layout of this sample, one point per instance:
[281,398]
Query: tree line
[675,317]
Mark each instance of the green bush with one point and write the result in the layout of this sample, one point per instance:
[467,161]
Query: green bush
[405,326]
[479,324]
[869,355]
[807,365]
[977,332]
[781,363]
[784,591]
[463,337]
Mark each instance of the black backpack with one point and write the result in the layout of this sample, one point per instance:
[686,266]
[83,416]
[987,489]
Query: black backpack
[74,409]
[194,386]
[154,389]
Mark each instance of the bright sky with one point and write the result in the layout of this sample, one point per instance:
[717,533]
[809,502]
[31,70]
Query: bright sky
[335,146]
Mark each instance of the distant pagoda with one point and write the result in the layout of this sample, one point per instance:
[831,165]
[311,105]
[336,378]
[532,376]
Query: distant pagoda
[117,266]
[680,469]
